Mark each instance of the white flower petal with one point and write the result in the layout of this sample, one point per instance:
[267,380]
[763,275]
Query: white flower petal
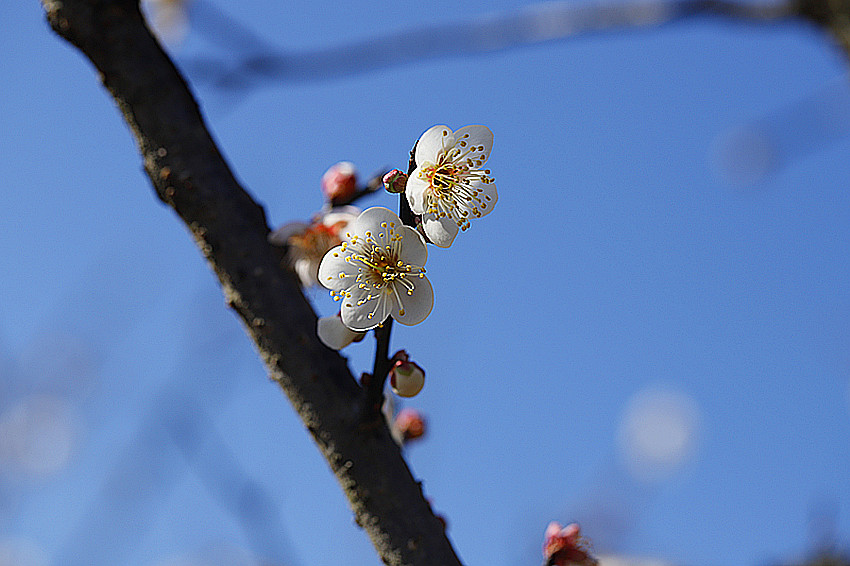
[440,231]
[476,136]
[489,196]
[333,333]
[357,316]
[413,250]
[434,140]
[417,306]
[370,221]
[486,200]
[306,269]
[334,272]
[415,190]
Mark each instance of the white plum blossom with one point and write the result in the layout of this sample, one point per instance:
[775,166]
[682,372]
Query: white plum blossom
[378,272]
[448,186]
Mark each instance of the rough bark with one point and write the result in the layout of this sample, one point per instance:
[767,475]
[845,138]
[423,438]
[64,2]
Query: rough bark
[190,175]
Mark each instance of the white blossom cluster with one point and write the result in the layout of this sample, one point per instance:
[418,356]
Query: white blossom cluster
[378,269]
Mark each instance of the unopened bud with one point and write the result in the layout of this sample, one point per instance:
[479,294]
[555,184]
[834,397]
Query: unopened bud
[395,181]
[339,183]
[410,424]
[406,378]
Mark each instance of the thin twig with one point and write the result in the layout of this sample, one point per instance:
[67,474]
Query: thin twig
[374,184]
[380,369]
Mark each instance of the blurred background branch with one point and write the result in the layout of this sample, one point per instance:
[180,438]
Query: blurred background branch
[257,62]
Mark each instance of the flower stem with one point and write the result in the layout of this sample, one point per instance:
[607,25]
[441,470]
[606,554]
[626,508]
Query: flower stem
[404,211]
[380,370]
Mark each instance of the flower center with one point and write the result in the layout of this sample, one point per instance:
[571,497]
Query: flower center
[382,265]
[443,176]
[379,267]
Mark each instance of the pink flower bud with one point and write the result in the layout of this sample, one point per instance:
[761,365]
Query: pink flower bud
[395,181]
[339,183]
[406,378]
[410,424]
[564,546]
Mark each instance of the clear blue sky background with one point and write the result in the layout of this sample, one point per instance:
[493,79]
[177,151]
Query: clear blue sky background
[619,260]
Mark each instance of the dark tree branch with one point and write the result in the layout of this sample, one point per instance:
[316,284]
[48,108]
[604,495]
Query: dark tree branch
[190,175]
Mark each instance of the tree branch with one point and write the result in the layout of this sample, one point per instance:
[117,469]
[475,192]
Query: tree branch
[530,25]
[190,175]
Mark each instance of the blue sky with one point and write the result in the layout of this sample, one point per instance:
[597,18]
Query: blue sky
[623,260]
